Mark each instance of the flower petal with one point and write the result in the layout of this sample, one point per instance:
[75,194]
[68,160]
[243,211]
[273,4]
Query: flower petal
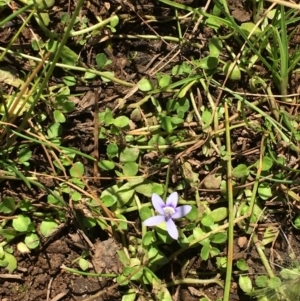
[158,203]
[181,211]
[172,230]
[172,199]
[154,220]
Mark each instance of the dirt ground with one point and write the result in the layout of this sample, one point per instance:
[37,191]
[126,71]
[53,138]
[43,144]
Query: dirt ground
[41,274]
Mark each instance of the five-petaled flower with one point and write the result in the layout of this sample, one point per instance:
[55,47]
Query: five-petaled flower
[167,212]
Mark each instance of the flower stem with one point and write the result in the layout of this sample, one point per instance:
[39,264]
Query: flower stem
[167,182]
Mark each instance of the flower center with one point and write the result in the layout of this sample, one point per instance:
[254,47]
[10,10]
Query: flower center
[169,211]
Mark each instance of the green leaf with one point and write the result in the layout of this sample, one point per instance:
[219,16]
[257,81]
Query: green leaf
[7,205]
[90,222]
[198,232]
[114,21]
[274,283]
[256,214]
[47,227]
[59,116]
[34,43]
[296,220]
[264,191]
[121,121]
[156,140]
[204,254]
[54,130]
[219,214]
[11,262]
[186,88]
[146,187]
[69,80]
[219,238]
[207,220]
[215,46]
[222,262]
[129,154]
[77,170]
[122,225]
[68,56]
[51,199]
[233,70]
[176,120]
[122,280]
[101,60]
[145,85]
[249,26]
[182,105]
[106,75]
[181,69]
[123,193]
[206,116]
[8,234]
[164,81]
[44,17]
[89,75]
[123,257]
[41,4]
[32,241]
[267,163]
[166,124]
[240,171]
[290,273]
[130,169]
[84,264]
[108,200]
[24,155]
[106,165]
[270,235]
[129,295]
[112,150]
[242,265]
[21,223]
[108,117]
[76,196]
[261,281]
[193,214]
[214,252]
[213,23]
[145,212]
[148,238]
[208,63]
[245,283]
[147,277]
[157,256]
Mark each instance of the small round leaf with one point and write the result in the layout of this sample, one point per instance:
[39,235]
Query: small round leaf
[84,264]
[245,284]
[207,221]
[48,227]
[21,223]
[106,165]
[77,170]
[32,241]
[112,150]
[145,85]
[240,171]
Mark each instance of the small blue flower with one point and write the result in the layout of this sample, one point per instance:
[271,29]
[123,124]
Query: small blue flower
[167,212]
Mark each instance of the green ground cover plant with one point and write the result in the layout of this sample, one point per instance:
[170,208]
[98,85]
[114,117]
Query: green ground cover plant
[184,159]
